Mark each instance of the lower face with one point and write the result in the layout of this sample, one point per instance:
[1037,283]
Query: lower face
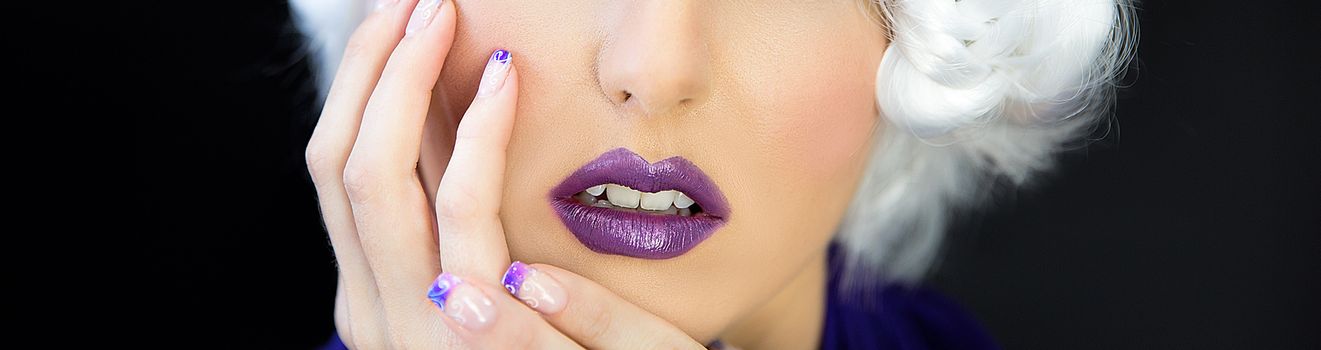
[781,121]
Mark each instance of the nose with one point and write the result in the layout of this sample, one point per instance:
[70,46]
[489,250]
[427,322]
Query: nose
[654,60]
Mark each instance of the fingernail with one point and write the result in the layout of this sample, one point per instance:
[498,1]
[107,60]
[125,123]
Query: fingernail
[497,68]
[461,302]
[422,15]
[382,4]
[534,288]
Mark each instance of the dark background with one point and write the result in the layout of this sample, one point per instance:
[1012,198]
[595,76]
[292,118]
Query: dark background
[1194,224]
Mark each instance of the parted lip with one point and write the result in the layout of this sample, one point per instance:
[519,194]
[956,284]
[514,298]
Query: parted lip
[622,166]
[638,234]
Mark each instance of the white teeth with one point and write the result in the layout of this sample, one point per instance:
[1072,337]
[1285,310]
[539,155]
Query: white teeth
[659,200]
[682,201]
[622,196]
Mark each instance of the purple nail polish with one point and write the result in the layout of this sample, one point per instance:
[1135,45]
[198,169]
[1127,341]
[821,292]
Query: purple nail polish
[493,77]
[515,276]
[536,289]
[463,303]
[440,290]
[501,56]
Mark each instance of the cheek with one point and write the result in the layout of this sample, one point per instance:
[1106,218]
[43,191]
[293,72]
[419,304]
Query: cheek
[827,126]
[811,92]
[821,127]
[814,142]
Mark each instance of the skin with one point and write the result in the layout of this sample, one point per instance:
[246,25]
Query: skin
[774,100]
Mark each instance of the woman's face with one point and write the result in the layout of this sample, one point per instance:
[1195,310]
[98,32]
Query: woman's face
[772,99]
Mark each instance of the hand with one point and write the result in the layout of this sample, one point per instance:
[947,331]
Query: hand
[364,158]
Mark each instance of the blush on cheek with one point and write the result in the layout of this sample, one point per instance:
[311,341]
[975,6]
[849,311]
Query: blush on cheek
[827,129]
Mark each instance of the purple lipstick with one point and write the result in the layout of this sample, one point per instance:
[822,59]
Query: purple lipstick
[621,204]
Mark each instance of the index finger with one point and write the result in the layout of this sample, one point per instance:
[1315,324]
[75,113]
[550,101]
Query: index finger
[472,239]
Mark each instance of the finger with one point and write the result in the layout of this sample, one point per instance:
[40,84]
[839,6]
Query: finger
[391,130]
[487,318]
[468,198]
[590,314]
[328,150]
[390,209]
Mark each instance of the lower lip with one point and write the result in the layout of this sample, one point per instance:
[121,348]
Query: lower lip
[633,233]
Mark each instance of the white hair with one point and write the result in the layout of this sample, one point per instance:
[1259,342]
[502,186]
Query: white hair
[974,91]
[327,25]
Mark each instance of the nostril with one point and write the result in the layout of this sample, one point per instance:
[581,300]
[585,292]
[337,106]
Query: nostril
[627,96]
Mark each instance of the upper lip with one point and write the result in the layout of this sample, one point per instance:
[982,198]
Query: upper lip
[623,167]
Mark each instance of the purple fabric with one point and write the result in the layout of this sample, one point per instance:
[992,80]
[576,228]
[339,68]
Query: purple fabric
[890,316]
[896,316]
[334,343]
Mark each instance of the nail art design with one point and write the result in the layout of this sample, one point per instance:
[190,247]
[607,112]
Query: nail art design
[515,276]
[441,288]
[422,15]
[467,305]
[535,289]
[493,77]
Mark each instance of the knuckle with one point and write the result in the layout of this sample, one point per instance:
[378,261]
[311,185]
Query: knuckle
[596,322]
[363,41]
[356,47]
[456,204]
[321,161]
[360,180]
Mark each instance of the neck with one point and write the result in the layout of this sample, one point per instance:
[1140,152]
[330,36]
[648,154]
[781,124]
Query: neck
[792,319]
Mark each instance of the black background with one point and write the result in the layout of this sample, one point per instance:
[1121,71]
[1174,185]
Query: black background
[1194,224]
